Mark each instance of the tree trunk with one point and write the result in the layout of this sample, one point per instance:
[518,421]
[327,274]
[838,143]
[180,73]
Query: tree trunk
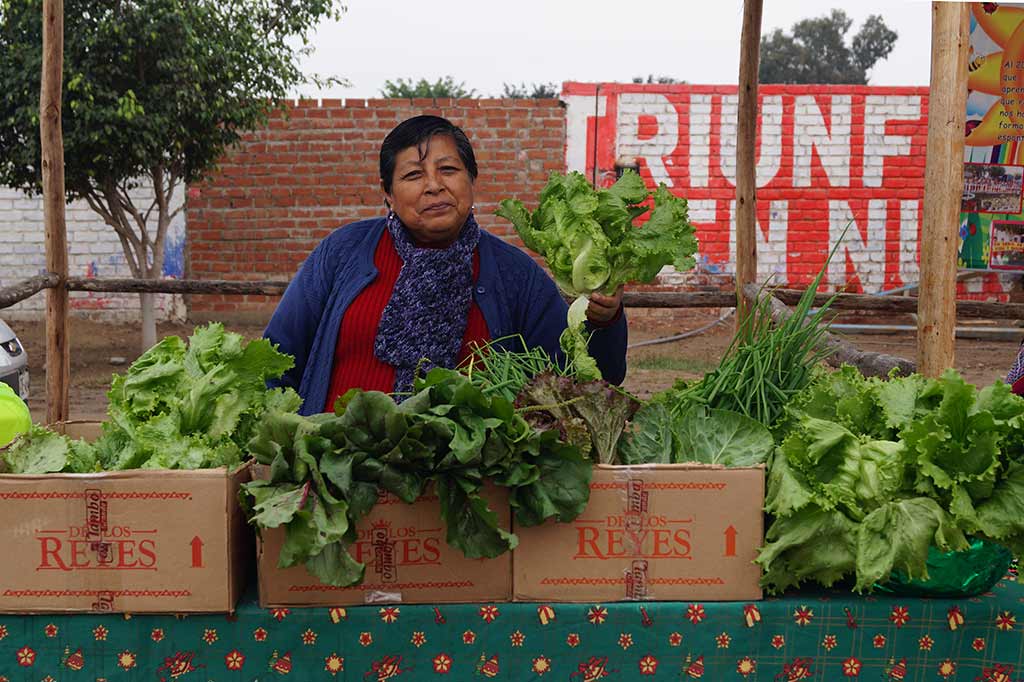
[148,321]
[144,251]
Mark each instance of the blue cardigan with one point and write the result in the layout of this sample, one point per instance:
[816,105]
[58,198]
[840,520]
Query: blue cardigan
[514,294]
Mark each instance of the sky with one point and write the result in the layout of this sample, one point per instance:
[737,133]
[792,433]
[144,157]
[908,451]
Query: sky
[486,44]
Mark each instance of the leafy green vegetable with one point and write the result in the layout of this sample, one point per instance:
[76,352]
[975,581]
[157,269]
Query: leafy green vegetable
[40,451]
[723,437]
[699,435]
[598,408]
[650,438]
[766,365]
[898,534]
[810,544]
[179,406]
[870,474]
[498,369]
[325,471]
[589,242]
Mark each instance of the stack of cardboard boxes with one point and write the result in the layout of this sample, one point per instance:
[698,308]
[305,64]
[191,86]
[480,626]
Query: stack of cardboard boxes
[658,532]
[176,541]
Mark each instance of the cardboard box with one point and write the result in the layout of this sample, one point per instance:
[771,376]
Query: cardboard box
[407,561]
[141,541]
[656,532]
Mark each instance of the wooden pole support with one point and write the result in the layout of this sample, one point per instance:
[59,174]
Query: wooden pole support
[943,186]
[746,147]
[52,144]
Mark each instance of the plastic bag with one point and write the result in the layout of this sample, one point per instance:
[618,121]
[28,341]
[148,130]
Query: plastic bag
[955,574]
[14,415]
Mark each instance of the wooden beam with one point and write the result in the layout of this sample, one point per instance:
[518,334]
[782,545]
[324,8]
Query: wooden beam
[176,286]
[19,291]
[985,310]
[943,186]
[52,146]
[746,147]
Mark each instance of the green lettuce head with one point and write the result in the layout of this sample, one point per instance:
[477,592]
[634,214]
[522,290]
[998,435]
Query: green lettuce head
[589,242]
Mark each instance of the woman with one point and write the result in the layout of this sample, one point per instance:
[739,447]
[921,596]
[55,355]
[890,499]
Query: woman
[379,295]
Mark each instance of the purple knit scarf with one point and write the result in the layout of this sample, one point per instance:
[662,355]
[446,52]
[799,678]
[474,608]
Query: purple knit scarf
[426,315]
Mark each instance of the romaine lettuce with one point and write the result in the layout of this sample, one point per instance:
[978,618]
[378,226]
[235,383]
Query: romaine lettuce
[590,244]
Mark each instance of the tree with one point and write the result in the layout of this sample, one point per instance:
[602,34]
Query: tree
[154,92]
[816,51]
[532,91]
[406,88]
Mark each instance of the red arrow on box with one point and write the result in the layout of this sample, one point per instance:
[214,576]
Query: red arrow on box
[730,541]
[197,552]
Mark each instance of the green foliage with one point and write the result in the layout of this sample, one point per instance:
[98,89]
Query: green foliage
[531,91]
[39,451]
[588,414]
[177,407]
[816,51]
[590,244]
[708,436]
[765,366]
[325,471]
[407,88]
[497,369]
[158,83]
[154,91]
[870,474]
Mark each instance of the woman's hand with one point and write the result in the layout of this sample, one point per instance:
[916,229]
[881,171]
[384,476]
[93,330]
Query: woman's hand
[603,309]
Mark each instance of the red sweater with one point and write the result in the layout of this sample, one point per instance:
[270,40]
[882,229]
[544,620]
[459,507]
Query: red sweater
[355,365]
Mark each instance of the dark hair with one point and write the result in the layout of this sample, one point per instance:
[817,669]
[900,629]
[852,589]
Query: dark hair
[417,132]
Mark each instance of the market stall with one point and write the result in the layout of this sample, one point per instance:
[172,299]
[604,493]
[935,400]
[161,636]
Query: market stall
[866,482]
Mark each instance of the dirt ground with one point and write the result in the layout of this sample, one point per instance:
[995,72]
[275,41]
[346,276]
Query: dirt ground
[651,368]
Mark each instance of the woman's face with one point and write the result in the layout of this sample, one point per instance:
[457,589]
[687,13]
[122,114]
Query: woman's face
[433,195]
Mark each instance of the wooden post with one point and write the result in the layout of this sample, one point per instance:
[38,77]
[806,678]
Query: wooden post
[746,148]
[52,143]
[943,186]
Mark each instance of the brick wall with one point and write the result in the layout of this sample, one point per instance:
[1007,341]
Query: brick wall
[93,251]
[829,158]
[286,187]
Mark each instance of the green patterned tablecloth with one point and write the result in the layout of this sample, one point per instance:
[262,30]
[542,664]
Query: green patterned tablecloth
[801,637]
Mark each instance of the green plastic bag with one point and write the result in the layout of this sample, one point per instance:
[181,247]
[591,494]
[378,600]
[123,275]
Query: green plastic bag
[14,415]
[955,574]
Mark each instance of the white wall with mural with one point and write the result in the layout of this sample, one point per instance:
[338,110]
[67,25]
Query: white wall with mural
[93,251]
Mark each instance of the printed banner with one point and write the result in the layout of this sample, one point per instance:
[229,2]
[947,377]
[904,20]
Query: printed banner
[991,217]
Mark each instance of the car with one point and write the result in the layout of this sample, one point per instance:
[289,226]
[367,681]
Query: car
[13,361]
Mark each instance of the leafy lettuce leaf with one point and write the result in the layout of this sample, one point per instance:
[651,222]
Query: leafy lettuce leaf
[897,535]
[588,240]
[40,451]
[597,405]
[903,465]
[810,544]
